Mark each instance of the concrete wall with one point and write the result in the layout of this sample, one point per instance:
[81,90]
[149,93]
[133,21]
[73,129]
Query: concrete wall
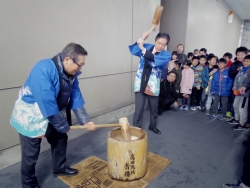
[208,27]
[246,34]
[199,24]
[174,21]
[33,30]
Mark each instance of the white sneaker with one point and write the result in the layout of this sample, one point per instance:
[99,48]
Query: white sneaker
[186,108]
[198,108]
[182,107]
[192,108]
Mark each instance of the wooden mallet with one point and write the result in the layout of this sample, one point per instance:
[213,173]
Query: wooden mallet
[157,17]
[123,123]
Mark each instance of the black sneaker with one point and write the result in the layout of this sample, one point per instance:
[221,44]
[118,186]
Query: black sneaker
[203,109]
[238,127]
[233,122]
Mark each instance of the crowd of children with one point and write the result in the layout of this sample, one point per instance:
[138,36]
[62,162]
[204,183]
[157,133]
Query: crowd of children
[216,86]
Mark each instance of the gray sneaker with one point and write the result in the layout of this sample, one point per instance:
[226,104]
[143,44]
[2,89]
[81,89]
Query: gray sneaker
[229,118]
[207,112]
[233,122]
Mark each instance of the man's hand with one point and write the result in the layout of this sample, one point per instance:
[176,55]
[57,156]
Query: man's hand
[145,35]
[90,126]
[242,90]
[175,104]
[185,95]
[140,43]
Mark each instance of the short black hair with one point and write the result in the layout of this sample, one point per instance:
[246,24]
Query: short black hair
[174,53]
[211,54]
[172,72]
[247,57]
[222,60]
[188,63]
[204,50]
[163,35]
[195,57]
[211,57]
[195,50]
[228,54]
[215,67]
[241,49]
[177,62]
[180,45]
[203,56]
[190,54]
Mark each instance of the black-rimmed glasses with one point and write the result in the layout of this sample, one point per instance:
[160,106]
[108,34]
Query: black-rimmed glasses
[80,66]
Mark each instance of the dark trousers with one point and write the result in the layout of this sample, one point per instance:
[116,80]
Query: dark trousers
[140,99]
[230,103]
[223,104]
[165,103]
[195,97]
[203,98]
[30,148]
[248,115]
[246,168]
[186,101]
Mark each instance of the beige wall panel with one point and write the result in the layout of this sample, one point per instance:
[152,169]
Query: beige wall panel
[208,27]
[33,30]
[8,135]
[143,13]
[174,21]
[132,85]
[105,92]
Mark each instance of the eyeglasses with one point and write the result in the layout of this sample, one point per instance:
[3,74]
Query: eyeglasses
[80,66]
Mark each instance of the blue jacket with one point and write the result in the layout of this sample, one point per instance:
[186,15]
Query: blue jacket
[160,61]
[221,83]
[37,102]
[205,77]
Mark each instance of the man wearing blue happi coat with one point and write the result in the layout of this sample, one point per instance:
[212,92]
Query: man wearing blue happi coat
[43,109]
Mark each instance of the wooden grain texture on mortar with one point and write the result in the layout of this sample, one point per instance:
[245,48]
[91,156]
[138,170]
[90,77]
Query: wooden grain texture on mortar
[127,160]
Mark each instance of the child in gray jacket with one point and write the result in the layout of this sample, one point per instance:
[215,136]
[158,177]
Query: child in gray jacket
[241,89]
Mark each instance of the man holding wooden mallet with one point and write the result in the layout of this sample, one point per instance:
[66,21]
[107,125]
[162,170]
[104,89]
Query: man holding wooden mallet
[43,109]
[153,58]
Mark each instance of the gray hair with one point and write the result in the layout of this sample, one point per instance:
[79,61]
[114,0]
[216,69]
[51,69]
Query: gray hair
[72,50]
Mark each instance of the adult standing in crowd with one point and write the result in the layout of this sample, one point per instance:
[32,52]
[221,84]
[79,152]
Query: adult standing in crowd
[203,51]
[180,54]
[153,58]
[43,109]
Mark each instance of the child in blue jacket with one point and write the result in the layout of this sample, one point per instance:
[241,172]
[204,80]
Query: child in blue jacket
[221,88]
[205,75]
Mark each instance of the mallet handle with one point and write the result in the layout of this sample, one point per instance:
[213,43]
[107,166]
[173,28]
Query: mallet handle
[75,127]
[152,28]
